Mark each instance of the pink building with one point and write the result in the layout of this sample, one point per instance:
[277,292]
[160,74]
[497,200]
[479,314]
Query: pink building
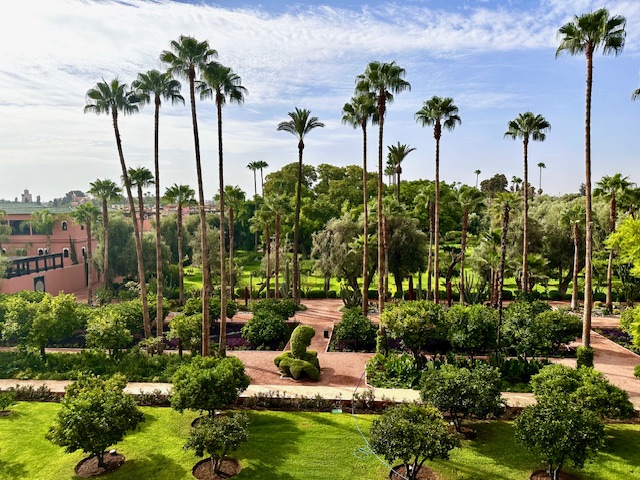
[54,262]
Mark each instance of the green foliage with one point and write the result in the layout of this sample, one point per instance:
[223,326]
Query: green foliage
[208,383]
[301,339]
[473,328]
[558,432]
[584,387]
[284,307]
[412,433]
[95,414]
[584,356]
[218,436]
[351,298]
[107,331]
[522,329]
[463,392]
[193,306]
[188,329]
[7,399]
[559,327]
[393,371]
[354,332]
[130,313]
[628,318]
[300,362]
[265,329]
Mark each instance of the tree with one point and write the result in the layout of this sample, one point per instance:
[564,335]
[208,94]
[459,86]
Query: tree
[397,153]
[470,199]
[541,165]
[627,241]
[357,114]
[106,191]
[573,217]
[42,223]
[218,436]
[262,165]
[187,57]
[208,384]
[300,124]
[51,319]
[254,167]
[182,195]
[235,200]
[140,177]
[262,222]
[87,214]
[586,34]
[494,185]
[413,433]
[426,200]
[106,330]
[94,416]
[477,172]
[159,86]
[382,80]
[111,98]
[279,207]
[611,188]
[439,112]
[472,328]
[186,328]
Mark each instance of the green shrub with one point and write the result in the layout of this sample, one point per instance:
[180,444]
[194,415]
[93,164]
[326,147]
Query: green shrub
[523,330]
[472,329]
[284,307]
[193,306]
[392,371]
[350,298]
[555,295]
[636,371]
[188,330]
[354,332]
[584,356]
[314,294]
[7,399]
[300,361]
[560,327]
[107,331]
[265,329]
[629,318]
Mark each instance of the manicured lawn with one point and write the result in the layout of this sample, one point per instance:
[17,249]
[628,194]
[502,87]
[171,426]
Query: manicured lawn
[289,446]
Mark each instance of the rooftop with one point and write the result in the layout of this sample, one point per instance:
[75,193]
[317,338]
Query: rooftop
[19,208]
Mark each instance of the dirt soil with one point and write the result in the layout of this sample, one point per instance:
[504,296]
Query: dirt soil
[203,470]
[425,473]
[89,466]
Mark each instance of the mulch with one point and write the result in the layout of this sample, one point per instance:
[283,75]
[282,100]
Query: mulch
[544,475]
[425,473]
[89,466]
[203,470]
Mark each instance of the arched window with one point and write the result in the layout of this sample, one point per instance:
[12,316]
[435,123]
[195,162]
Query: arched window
[84,252]
[64,225]
[65,252]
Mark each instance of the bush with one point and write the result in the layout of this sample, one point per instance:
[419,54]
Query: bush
[555,295]
[523,330]
[285,307]
[584,356]
[193,306]
[299,362]
[354,332]
[265,329]
[107,331]
[462,392]
[7,399]
[188,330]
[412,433]
[629,319]
[392,371]
[472,329]
[560,327]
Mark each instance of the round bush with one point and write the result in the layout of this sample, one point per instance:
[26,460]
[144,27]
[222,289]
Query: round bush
[265,329]
[355,332]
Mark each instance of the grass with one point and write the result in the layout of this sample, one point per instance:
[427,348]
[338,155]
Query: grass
[288,446]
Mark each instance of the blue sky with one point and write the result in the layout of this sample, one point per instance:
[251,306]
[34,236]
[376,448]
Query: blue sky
[495,58]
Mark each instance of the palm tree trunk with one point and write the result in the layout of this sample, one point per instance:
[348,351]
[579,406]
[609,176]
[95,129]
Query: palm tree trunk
[588,268]
[136,231]
[574,291]
[277,267]
[206,272]
[365,247]
[180,256]
[232,280]
[89,262]
[140,210]
[159,278]
[429,264]
[386,257]
[612,227]
[381,299]
[296,230]
[503,255]
[255,184]
[262,182]
[223,268]
[436,234]
[268,273]
[525,233]
[463,249]
[105,233]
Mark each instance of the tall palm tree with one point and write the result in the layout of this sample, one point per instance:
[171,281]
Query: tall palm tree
[186,59]
[222,85]
[112,98]
[439,112]
[541,165]
[515,183]
[426,200]
[140,177]
[106,191]
[262,222]
[254,167]
[477,172]
[235,200]
[397,153]
[182,195]
[527,126]
[357,113]
[612,188]
[280,207]
[87,214]
[153,86]
[585,34]
[470,199]
[261,166]
[383,80]
[300,124]
[573,217]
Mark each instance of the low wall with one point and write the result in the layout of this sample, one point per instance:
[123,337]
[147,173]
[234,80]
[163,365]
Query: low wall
[69,279]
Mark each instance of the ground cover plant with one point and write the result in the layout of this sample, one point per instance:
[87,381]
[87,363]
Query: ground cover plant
[309,446]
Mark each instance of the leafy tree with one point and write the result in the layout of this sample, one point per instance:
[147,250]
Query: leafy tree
[472,328]
[413,434]
[300,124]
[186,328]
[106,191]
[492,186]
[54,318]
[279,207]
[208,384]
[106,330]
[522,330]
[470,199]
[586,34]
[406,247]
[527,126]
[462,392]
[439,112]
[186,59]
[42,223]
[355,332]
[218,436]
[94,417]
[626,239]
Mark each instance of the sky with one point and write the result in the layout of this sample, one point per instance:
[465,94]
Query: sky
[495,58]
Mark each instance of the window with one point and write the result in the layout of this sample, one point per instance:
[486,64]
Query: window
[64,226]
[81,227]
[65,252]
[19,227]
[84,252]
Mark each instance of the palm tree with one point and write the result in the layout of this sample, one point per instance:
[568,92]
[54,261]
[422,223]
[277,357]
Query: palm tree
[300,124]
[397,153]
[182,195]
[262,165]
[254,167]
[439,112]
[470,199]
[586,34]
[527,126]
[515,183]
[383,80]
[187,57]
[280,207]
[235,199]
[573,217]
[261,222]
[106,191]
[87,214]
[541,165]
[221,84]
[611,188]
[357,114]
[477,172]
[426,199]
[140,177]
[42,222]
[111,98]
[159,86]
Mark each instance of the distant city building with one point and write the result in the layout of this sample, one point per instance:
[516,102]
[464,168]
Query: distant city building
[27,197]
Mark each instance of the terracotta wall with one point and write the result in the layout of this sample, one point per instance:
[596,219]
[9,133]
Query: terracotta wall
[69,279]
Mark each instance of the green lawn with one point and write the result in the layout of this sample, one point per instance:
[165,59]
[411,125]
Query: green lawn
[288,446]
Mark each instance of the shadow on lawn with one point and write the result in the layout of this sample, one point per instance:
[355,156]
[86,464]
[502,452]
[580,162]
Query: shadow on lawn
[154,465]
[11,470]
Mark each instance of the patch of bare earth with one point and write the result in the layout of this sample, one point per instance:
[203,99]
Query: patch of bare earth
[544,475]
[203,470]
[425,473]
[89,467]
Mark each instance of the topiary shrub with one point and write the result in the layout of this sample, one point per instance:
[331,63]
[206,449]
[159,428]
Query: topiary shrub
[300,362]
[265,329]
[584,356]
[354,332]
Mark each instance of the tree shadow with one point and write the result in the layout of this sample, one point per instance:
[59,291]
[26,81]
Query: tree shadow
[148,467]
[12,470]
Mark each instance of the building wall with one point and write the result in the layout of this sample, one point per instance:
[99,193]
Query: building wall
[69,279]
